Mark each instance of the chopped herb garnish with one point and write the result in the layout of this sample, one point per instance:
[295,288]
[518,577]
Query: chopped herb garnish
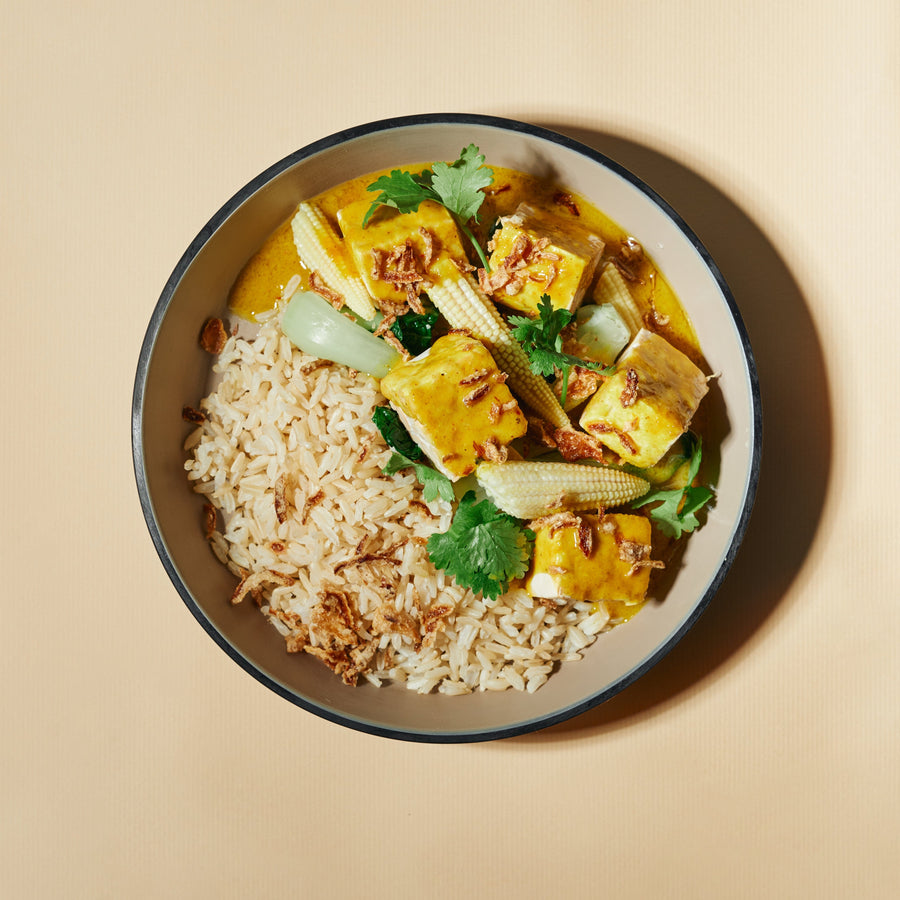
[434,484]
[677,507]
[457,186]
[541,339]
[484,548]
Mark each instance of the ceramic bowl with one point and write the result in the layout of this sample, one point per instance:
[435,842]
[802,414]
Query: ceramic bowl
[172,371]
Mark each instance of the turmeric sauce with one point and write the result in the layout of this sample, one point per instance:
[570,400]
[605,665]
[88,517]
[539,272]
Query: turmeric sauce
[261,283]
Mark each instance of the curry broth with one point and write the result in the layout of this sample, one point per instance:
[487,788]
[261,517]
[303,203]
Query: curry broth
[259,286]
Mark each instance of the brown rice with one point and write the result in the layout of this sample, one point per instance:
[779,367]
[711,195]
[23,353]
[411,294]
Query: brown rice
[289,456]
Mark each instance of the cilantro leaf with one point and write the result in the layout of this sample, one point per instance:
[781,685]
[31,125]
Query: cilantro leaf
[457,186]
[460,184]
[484,548]
[413,330]
[394,432]
[677,507]
[541,338]
[401,190]
[434,484]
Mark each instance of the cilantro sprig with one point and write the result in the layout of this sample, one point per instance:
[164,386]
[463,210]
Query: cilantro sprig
[457,186]
[541,338]
[484,548]
[678,507]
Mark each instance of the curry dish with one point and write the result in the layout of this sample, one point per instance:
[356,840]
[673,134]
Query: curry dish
[534,377]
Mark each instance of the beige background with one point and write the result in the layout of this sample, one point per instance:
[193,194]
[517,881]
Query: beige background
[759,759]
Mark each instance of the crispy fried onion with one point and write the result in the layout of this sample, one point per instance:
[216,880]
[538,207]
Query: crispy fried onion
[362,557]
[475,377]
[571,443]
[317,283]
[630,393]
[464,266]
[483,379]
[491,450]
[508,274]
[253,584]
[603,428]
[333,637]
[311,501]
[495,413]
[349,663]
[210,517]
[478,393]
[389,620]
[631,251]
[434,620]
[574,444]
[213,336]
[584,533]
[195,416]
[654,319]
[582,383]
[636,555]
[405,270]
[554,522]
[567,201]
[310,367]
[281,502]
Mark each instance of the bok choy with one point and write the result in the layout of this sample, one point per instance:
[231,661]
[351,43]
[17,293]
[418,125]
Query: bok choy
[316,327]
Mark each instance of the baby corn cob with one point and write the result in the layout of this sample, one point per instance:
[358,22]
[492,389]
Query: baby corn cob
[611,288]
[322,251]
[462,303]
[527,490]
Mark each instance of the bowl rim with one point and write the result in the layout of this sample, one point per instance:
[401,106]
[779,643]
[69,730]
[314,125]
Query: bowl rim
[210,228]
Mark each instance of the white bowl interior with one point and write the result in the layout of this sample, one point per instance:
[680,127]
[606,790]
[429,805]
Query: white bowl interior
[173,372]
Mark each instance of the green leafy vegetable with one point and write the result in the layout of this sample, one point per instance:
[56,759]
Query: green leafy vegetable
[677,508]
[408,453]
[413,330]
[457,186]
[394,432]
[434,484]
[484,548]
[461,184]
[541,339]
[402,190]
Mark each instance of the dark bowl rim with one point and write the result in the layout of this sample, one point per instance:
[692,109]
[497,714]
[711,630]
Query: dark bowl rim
[146,353]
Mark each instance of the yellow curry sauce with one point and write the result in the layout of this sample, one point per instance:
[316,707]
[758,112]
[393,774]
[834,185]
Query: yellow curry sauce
[259,286]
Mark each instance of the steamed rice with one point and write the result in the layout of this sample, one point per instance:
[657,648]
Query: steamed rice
[288,437]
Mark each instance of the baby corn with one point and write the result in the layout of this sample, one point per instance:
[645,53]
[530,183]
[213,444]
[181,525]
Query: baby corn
[322,251]
[611,288]
[527,490]
[462,303]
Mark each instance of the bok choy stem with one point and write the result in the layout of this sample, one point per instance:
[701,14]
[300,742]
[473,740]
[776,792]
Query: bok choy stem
[316,327]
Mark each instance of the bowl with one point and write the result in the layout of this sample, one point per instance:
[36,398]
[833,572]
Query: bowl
[173,371]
